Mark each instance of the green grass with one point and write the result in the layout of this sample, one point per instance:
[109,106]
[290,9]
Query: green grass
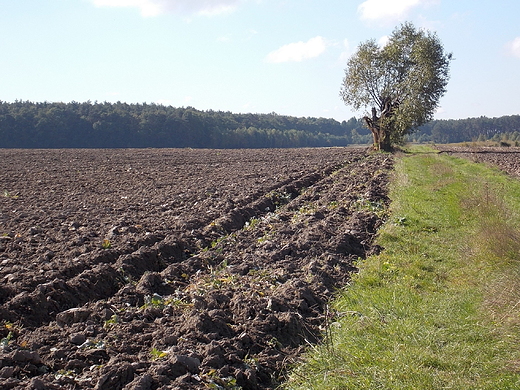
[439,308]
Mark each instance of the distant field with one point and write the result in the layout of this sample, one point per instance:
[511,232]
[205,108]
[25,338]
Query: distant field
[506,159]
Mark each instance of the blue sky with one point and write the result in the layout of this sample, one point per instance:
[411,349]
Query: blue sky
[260,56]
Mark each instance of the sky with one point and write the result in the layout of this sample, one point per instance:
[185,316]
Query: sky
[258,56]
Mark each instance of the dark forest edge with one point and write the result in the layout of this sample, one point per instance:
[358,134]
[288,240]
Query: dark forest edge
[25,124]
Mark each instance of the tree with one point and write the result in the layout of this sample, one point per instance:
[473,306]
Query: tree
[401,83]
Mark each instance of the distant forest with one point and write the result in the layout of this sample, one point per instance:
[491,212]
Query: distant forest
[25,124]
[505,128]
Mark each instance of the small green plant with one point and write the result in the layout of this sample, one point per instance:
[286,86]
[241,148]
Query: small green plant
[250,225]
[111,322]
[217,244]
[7,194]
[221,267]
[154,300]
[266,237]
[308,209]
[274,343]
[4,343]
[304,211]
[251,362]
[70,374]
[159,302]
[178,303]
[218,383]
[106,244]
[126,277]
[333,205]
[377,207]
[13,330]
[157,354]
[279,198]
[218,241]
[217,277]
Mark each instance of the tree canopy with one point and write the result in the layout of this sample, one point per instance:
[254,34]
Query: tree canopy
[400,83]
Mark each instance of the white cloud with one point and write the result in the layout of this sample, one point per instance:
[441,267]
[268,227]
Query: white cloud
[157,7]
[383,41]
[513,47]
[298,51]
[389,10]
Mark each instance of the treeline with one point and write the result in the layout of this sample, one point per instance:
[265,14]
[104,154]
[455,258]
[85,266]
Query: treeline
[25,124]
[471,129]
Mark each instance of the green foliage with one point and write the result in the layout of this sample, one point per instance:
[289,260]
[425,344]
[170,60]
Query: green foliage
[438,308]
[280,198]
[157,354]
[100,125]
[8,194]
[154,300]
[157,301]
[116,125]
[506,128]
[4,342]
[252,223]
[401,82]
[219,383]
[111,322]
[377,207]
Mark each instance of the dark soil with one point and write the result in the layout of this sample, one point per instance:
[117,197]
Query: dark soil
[166,269]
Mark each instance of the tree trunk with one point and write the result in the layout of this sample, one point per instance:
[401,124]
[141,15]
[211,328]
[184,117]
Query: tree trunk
[380,132]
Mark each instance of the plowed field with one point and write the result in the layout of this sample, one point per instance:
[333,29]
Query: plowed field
[505,158]
[165,269]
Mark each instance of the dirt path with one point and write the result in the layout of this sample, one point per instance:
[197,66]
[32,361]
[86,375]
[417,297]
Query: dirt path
[163,269]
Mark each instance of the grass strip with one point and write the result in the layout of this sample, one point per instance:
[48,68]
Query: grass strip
[439,308]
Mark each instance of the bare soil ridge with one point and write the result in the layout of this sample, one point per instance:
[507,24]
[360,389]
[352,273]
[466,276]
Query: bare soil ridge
[163,269]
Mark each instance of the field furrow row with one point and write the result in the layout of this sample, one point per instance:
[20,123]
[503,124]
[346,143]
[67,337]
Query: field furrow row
[216,284]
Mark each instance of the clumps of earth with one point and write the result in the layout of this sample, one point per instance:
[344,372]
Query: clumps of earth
[166,269]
